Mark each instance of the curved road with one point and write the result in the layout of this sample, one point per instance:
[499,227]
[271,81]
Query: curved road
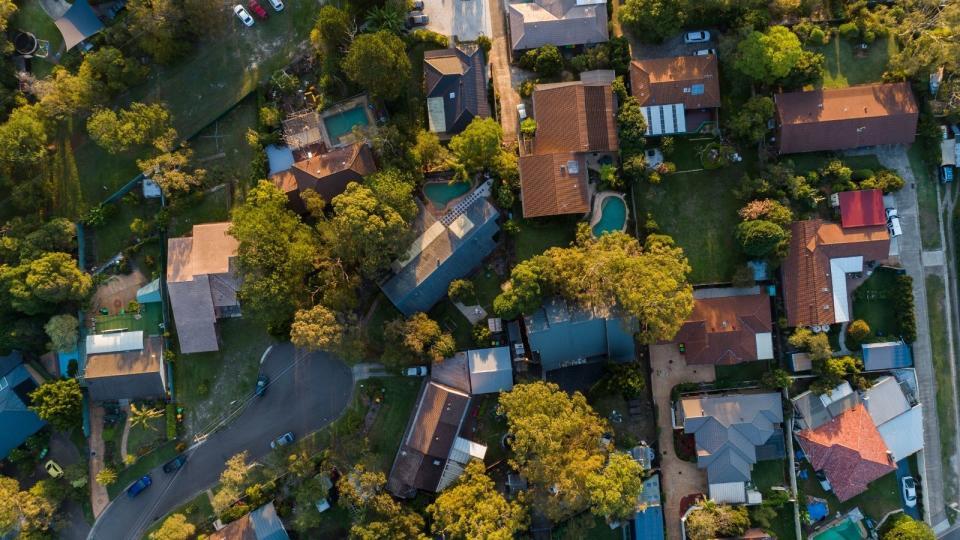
[306,392]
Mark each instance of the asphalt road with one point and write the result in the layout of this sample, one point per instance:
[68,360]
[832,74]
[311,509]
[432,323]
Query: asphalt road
[306,392]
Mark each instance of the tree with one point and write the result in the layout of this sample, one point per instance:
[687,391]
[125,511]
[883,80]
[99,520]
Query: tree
[59,402]
[633,127]
[64,94]
[776,378]
[462,290]
[428,152]
[713,520]
[418,338]
[555,445]
[23,139]
[111,71]
[140,124]
[478,146]
[106,477]
[767,57]
[750,123]
[63,331]
[833,371]
[172,172]
[759,237]
[378,62]
[331,30]
[886,180]
[652,20]
[175,527]
[394,188]
[473,508]
[44,284]
[389,16]
[26,511]
[904,527]
[142,416]
[767,209]
[615,488]
[232,480]
[388,519]
[316,329]
[546,60]
[369,232]
[157,26]
[817,345]
[624,378]
[858,330]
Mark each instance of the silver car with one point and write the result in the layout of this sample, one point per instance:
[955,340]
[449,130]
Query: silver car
[243,14]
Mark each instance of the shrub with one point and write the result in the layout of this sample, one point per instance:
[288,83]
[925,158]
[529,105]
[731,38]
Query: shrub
[667,146]
[485,45]
[481,334]
[885,180]
[861,174]
[818,37]
[849,30]
[527,87]
[171,421]
[858,330]
[903,308]
[528,127]
[429,36]
[461,290]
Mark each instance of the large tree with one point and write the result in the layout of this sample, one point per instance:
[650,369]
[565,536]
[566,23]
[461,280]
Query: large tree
[615,488]
[417,339]
[633,127]
[478,146]
[652,20]
[370,233]
[769,56]
[473,508]
[904,527]
[316,329]
[139,124]
[43,284]
[158,27]
[173,172]
[378,62]
[760,237]
[332,29]
[63,331]
[59,402]
[175,527]
[112,72]
[23,139]
[28,512]
[713,520]
[749,123]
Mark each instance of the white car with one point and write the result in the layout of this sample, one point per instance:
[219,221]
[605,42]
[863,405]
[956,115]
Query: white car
[416,371]
[700,36]
[824,483]
[891,213]
[522,111]
[893,226]
[277,5]
[243,14]
[705,52]
[909,491]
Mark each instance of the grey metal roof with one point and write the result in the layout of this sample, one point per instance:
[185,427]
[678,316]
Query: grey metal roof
[491,370]
[17,421]
[885,400]
[562,334]
[814,414]
[556,22]
[890,355]
[459,79]
[267,524]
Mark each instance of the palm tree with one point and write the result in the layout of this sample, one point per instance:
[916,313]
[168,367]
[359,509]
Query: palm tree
[143,416]
[389,17]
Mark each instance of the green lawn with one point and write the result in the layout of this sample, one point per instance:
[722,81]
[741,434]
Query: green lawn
[927,186]
[538,235]
[740,373]
[388,428]
[384,313]
[686,153]
[101,173]
[941,368]
[451,320]
[206,383]
[882,495]
[141,467]
[114,235]
[198,511]
[222,149]
[871,302]
[32,18]
[845,67]
[141,440]
[767,474]
[148,320]
[487,284]
[782,526]
[200,207]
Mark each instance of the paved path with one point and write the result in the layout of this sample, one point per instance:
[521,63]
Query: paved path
[678,478]
[502,77]
[306,393]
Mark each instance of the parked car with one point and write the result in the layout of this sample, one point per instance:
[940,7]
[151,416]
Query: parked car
[257,9]
[262,381]
[53,469]
[824,483]
[243,14]
[699,36]
[174,464]
[891,213]
[416,371]
[909,491]
[522,111]
[282,440]
[417,5]
[705,52]
[137,487]
[277,5]
[893,226]
[417,19]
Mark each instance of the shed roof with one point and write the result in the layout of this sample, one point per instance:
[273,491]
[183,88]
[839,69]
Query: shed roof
[114,342]
[862,208]
[78,23]
[887,355]
[648,524]
[491,370]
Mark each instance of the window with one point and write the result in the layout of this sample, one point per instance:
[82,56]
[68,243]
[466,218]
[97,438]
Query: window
[3,383]
[697,89]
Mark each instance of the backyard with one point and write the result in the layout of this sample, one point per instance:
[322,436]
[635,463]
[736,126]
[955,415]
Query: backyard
[31,17]
[941,369]
[847,65]
[115,235]
[741,373]
[767,474]
[208,206]
[536,236]
[872,302]
[881,497]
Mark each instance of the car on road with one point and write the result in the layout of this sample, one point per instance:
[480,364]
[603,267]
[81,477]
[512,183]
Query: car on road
[705,52]
[522,111]
[282,440]
[909,491]
[417,19]
[417,5]
[824,483]
[257,9]
[174,464]
[277,5]
[698,36]
[53,469]
[243,14]
[262,381]
[137,487]
[416,371]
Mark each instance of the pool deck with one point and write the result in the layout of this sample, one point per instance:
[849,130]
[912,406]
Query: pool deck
[597,212]
[360,101]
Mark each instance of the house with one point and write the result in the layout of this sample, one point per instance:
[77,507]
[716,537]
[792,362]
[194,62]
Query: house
[843,118]
[202,284]
[432,452]
[556,22]
[814,410]
[456,89]
[575,125]
[733,432]
[815,281]
[477,371]
[648,521]
[261,524]
[303,129]
[560,335]
[124,365]
[327,174]
[849,450]
[726,327]
[898,415]
[17,420]
[677,94]
[887,355]
[449,248]
[862,208]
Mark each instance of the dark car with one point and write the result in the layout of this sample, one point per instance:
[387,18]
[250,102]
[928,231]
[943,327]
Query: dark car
[262,381]
[282,440]
[137,487]
[417,19]
[257,9]
[174,464]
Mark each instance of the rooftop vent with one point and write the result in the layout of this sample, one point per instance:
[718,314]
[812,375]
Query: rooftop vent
[573,167]
[453,95]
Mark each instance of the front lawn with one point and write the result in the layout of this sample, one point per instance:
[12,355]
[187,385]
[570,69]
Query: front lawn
[145,464]
[872,302]
[882,495]
[387,430]
[143,439]
[846,65]
[941,369]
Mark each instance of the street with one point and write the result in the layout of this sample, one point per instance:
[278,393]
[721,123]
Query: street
[307,391]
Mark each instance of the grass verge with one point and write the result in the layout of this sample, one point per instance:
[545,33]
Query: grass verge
[145,464]
[941,369]
[927,186]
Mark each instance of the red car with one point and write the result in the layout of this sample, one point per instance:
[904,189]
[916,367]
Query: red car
[257,10]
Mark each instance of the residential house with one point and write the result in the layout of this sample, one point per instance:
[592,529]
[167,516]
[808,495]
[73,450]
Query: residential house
[556,22]
[303,129]
[897,413]
[124,366]
[260,524]
[814,410]
[727,327]
[17,420]
[886,355]
[433,453]
[849,450]
[456,89]
[677,94]
[733,432]
[815,272]
[843,118]
[449,248]
[202,283]
[862,208]
[477,371]
[327,174]
[560,335]
[576,128]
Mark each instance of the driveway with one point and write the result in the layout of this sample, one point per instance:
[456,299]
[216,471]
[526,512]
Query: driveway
[465,20]
[307,391]
[903,470]
[678,478]
[501,72]
[670,47]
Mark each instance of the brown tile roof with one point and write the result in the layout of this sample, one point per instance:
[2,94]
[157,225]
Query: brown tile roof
[807,286]
[548,187]
[665,81]
[839,118]
[722,331]
[328,174]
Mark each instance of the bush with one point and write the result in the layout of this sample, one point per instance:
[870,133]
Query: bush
[431,37]
[861,174]
[849,30]
[171,421]
[858,330]
[885,180]
[818,37]
[528,127]
[461,290]
[527,87]
[903,308]
[485,45]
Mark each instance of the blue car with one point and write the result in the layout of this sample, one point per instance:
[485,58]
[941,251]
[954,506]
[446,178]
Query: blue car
[138,486]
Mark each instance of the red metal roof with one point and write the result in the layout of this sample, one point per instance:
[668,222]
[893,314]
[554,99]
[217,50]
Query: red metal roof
[863,208]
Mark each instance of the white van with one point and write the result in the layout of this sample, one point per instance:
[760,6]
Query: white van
[893,225]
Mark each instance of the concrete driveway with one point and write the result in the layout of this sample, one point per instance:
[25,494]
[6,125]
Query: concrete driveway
[306,392]
[678,478]
[465,20]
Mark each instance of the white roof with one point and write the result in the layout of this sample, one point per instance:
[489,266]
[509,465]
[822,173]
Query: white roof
[665,119]
[729,492]
[764,345]
[435,115]
[903,435]
[841,391]
[839,268]
[467,448]
[885,400]
[948,152]
[491,370]
[115,342]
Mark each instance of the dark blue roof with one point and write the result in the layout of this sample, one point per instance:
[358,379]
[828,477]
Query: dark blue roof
[463,90]
[17,421]
[10,361]
[648,525]
[266,523]
[890,355]
[561,334]
[78,23]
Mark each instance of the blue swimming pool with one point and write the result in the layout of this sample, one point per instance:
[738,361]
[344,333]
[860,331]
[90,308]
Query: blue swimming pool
[341,123]
[845,530]
[613,216]
[441,193]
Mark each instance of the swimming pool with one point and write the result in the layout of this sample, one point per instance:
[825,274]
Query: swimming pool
[845,530]
[613,216]
[441,193]
[341,123]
